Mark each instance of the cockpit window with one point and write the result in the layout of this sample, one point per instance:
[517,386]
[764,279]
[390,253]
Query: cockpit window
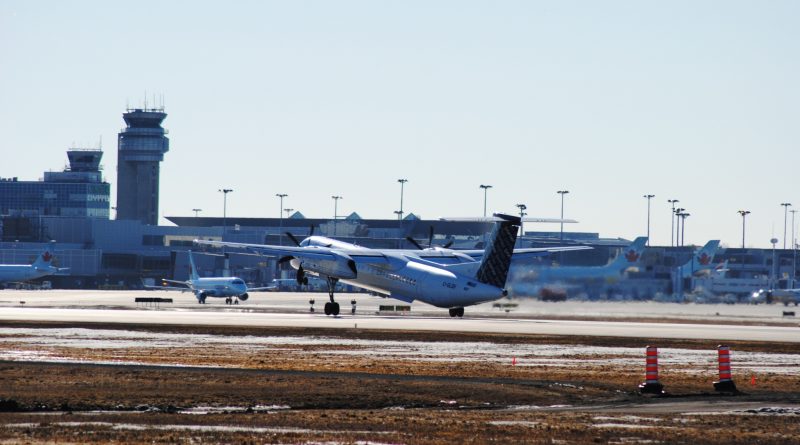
[238,281]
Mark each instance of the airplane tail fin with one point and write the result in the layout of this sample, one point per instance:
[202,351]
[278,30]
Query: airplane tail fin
[499,249]
[193,274]
[701,261]
[630,255]
[44,260]
[706,255]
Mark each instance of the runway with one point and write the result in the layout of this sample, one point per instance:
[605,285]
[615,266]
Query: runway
[244,317]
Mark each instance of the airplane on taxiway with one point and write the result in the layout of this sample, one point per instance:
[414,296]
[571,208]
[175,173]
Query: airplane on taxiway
[232,289]
[41,267]
[442,277]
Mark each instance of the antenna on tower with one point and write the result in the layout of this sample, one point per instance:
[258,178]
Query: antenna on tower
[145,99]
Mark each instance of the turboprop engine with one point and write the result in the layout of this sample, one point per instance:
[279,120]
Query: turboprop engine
[341,266]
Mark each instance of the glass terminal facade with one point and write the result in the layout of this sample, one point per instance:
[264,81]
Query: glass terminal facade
[77,191]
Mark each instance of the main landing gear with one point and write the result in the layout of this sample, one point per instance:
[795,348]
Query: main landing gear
[332,307]
[231,300]
[457,312]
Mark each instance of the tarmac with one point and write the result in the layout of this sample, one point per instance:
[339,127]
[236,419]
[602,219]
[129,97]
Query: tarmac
[274,309]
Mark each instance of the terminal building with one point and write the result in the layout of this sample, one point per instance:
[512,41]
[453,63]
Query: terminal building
[72,208]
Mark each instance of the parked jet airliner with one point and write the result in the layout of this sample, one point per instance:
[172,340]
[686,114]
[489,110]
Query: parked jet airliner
[24,272]
[441,277]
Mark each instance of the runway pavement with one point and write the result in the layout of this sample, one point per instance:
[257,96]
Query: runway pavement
[241,316]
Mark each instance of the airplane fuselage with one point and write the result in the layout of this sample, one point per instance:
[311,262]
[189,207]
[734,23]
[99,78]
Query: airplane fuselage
[404,277]
[219,287]
[21,272]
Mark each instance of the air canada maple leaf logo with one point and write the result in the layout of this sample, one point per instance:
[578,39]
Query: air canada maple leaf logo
[631,256]
[704,259]
[47,256]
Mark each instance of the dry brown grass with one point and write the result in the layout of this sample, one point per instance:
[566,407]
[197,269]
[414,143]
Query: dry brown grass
[379,399]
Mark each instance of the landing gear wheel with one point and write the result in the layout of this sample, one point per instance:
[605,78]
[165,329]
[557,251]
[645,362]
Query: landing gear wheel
[328,308]
[457,312]
[335,309]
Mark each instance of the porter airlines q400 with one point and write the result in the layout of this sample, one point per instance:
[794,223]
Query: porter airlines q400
[444,278]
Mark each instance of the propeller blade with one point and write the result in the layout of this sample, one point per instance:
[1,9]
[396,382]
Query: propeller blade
[294,240]
[414,242]
[311,231]
[285,259]
[430,237]
[448,244]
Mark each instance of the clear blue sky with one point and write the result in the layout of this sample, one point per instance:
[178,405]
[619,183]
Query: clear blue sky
[611,100]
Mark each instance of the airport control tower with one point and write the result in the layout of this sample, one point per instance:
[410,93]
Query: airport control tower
[141,147]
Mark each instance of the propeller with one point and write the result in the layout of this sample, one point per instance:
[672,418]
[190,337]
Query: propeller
[294,239]
[430,241]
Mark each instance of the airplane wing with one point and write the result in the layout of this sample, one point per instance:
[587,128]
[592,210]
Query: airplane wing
[173,288]
[529,252]
[181,286]
[322,253]
[490,219]
[261,289]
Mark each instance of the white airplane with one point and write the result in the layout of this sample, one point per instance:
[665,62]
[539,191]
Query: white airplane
[553,282]
[232,289]
[441,277]
[24,272]
[701,261]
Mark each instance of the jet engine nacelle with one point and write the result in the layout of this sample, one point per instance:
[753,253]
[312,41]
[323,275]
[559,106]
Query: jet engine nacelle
[244,296]
[341,266]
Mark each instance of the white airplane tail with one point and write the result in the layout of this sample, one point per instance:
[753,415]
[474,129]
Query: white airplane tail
[499,249]
[193,276]
[701,261]
[630,256]
[44,260]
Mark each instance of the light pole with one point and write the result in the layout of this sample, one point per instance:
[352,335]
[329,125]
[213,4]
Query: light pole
[678,229]
[336,199]
[794,252]
[196,212]
[562,193]
[399,214]
[402,184]
[785,213]
[649,197]
[522,208]
[744,214]
[485,188]
[280,216]
[683,224]
[224,209]
[672,222]
[773,276]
